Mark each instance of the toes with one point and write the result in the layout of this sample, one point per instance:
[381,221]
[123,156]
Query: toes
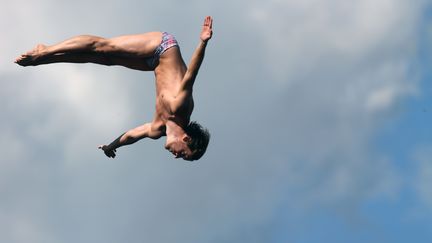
[23,60]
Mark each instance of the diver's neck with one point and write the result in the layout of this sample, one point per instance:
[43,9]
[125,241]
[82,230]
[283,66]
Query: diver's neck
[173,130]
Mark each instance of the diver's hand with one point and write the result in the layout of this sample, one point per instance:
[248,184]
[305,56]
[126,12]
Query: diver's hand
[110,153]
[207,30]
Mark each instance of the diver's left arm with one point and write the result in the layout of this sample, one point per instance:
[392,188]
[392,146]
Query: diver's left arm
[198,55]
[193,67]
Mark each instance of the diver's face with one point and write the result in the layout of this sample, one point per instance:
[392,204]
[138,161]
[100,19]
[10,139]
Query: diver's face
[179,149]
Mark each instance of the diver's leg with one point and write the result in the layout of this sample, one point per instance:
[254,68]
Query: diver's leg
[42,54]
[94,49]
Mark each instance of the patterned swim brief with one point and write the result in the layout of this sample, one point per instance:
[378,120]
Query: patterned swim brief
[168,41]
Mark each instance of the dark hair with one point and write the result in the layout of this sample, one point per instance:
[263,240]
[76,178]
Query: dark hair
[200,138]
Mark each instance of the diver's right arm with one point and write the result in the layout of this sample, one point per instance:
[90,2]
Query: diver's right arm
[130,137]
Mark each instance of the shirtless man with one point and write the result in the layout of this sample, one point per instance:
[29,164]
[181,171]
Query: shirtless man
[153,51]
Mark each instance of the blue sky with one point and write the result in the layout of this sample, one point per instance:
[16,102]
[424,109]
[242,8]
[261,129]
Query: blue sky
[405,217]
[403,137]
[319,110]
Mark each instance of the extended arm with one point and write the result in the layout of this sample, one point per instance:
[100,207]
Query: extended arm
[198,55]
[130,137]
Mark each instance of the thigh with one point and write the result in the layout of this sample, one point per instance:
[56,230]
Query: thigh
[134,46]
[130,62]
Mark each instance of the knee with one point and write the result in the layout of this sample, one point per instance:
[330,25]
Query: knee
[87,41]
[101,45]
[97,44]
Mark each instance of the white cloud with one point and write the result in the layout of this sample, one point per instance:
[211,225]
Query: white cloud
[302,83]
[306,39]
[390,84]
[381,99]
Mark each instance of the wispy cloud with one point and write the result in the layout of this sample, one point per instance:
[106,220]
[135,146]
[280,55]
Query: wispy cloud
[293,93]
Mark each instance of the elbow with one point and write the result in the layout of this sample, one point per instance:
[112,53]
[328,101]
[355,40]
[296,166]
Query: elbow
[130,137]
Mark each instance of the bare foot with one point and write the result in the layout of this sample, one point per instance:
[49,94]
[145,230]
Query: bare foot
[30,58]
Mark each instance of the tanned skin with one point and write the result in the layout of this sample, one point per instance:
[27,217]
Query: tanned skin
[174,80]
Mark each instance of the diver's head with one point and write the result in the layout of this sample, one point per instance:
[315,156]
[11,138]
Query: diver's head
[198,141]
[192,145]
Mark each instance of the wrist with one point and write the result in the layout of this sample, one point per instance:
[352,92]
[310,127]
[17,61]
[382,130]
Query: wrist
[204,43]
[115,144]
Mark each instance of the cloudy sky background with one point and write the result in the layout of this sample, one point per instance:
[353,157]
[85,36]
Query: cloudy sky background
[319,110]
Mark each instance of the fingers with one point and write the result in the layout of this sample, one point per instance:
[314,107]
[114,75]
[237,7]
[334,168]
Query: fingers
[208,21]
[108,153]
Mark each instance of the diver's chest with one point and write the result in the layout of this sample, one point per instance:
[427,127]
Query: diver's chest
[169,105]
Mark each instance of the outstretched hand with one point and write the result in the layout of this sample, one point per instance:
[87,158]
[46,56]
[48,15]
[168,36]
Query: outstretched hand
[207,31]
[110,153]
